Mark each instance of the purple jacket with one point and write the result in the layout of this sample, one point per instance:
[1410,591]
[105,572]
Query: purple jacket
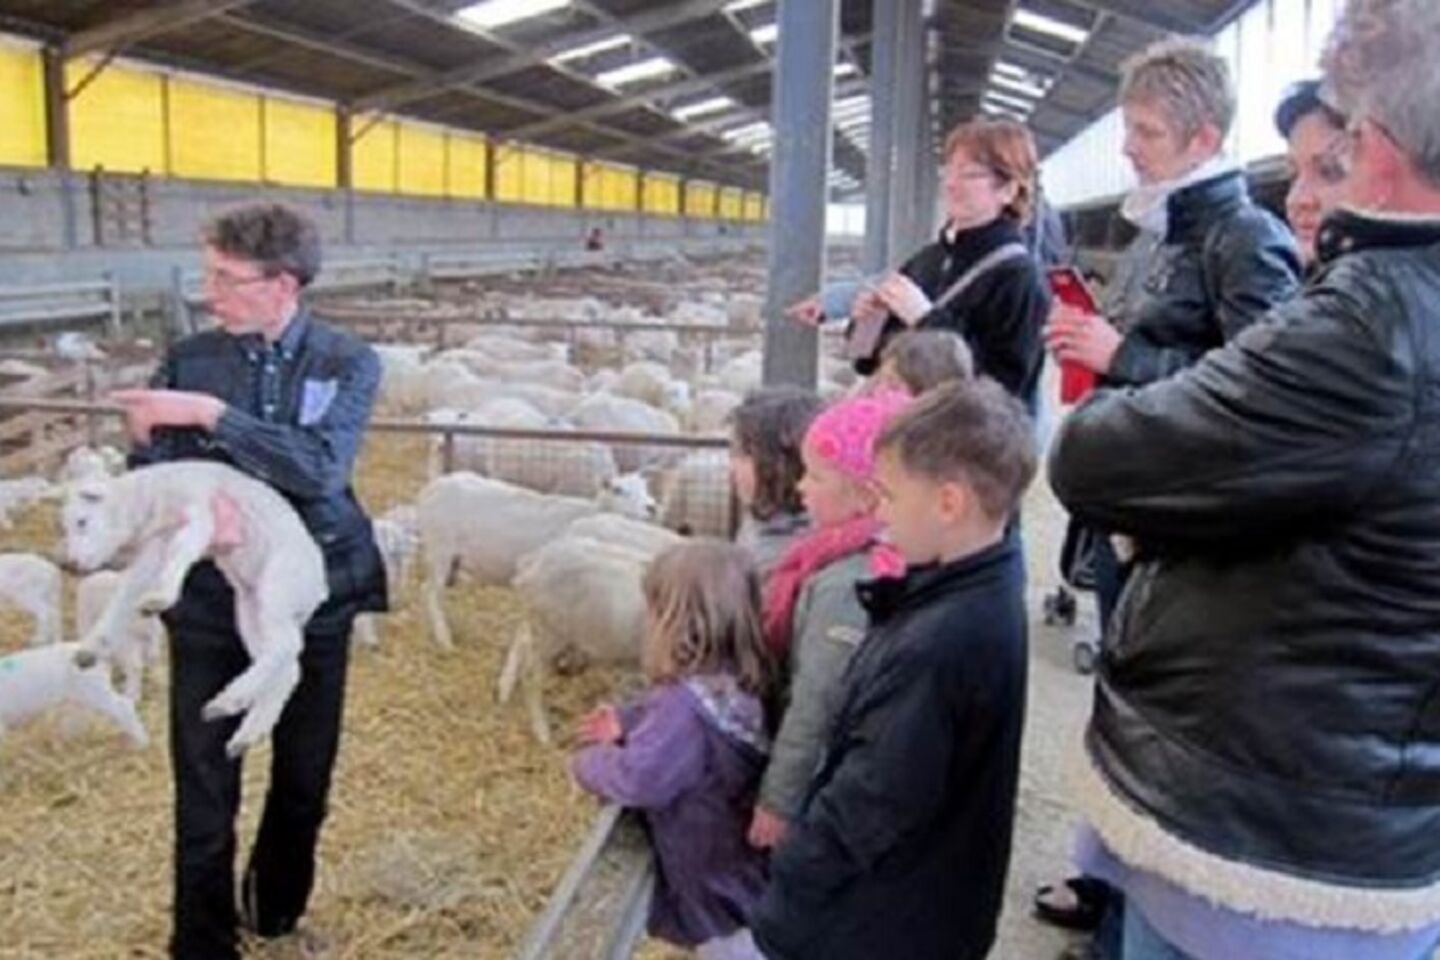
[691,759]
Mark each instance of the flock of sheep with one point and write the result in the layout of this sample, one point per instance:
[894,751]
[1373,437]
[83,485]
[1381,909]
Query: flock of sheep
[569,521]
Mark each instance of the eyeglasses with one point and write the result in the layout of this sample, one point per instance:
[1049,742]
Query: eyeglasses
[229,281]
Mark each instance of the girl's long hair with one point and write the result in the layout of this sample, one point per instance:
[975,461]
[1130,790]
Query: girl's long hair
[703,599]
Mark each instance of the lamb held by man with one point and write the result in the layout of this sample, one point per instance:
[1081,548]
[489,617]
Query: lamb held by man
[169,516]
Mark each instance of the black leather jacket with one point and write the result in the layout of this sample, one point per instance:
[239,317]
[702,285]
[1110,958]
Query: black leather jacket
[1270,692]
[1222,264]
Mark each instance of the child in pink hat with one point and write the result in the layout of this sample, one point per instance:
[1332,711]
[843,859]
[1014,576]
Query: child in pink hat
[813,618]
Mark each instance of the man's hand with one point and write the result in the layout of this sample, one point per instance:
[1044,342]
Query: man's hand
[147,409]
[904,299]
[767,829]
[1078,336]
[601,725]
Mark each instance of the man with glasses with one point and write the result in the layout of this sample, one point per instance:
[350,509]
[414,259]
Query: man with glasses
[285,399]
[1263,775]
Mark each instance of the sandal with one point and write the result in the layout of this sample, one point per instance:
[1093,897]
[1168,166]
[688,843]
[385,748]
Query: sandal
[1077,904]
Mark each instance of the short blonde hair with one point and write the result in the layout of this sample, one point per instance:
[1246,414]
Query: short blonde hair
[1187,80]
[924,359]
[703,599]
[1006,148]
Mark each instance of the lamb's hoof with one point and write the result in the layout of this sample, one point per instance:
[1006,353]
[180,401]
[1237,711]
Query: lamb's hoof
[235,750]
[85,659]
[154,604]
[215,710]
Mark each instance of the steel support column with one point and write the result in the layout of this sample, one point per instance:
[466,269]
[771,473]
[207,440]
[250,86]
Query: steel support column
[880,164]
[799,175]
[909,108]
[57,140]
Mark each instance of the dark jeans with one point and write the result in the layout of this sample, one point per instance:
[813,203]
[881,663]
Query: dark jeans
[1110,577]
[281,872]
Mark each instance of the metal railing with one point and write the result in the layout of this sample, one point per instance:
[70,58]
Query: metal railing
[44,306]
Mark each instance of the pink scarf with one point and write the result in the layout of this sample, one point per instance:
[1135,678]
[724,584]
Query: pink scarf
[809,555]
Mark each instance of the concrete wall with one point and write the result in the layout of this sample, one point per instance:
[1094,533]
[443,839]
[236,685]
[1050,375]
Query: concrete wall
[34,224]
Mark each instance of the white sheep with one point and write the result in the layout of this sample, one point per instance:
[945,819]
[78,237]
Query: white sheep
[696,497]
[582,595]
[471,452]
[606,413]
[404,378]
[512,349]
[641,535]
[35,585]
[166,515]
[658,345]
[484,526]
[710,412]
[645,381]
[556,374]
[140,642]
[41,679]
[72,345]
[743,373]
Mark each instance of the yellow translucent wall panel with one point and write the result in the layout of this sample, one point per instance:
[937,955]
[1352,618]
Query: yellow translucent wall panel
[563,173]
[622,188]
[421,161]
[731,204]
[591,186]
[660,194]
[466,169]
[22,108]
[299,143]
[754,206]
[537,177]
[509,163]
[699,199]
[214,132]
[372,157]
[118,120]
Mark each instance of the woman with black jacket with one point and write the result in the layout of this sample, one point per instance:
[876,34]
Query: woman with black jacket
[978,279]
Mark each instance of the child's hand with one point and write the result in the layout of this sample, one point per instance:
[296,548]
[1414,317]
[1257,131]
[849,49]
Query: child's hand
[808,311]
[767,830]
[601,725]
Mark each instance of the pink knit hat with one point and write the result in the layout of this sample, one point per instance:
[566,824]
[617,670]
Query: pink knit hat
[844,434]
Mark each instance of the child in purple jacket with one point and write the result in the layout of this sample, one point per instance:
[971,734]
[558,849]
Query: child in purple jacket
[689,754]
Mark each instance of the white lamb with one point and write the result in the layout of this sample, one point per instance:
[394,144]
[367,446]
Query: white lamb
[34,584]
[166,515]
[41,679]
[696,496]
[484,526]
[556,374]
[474,453]
[141,642]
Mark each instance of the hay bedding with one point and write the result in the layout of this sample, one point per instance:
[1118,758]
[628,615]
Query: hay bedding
[449,825]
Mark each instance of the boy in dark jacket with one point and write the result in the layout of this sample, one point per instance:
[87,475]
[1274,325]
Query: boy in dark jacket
[904,839]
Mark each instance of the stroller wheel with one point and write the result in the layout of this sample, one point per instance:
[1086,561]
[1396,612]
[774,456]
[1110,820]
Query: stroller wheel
[1083,655]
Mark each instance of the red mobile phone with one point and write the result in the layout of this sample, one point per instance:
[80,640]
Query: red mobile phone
[1070,288]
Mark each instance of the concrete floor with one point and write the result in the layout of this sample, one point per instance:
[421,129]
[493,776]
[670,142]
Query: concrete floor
[1059,702]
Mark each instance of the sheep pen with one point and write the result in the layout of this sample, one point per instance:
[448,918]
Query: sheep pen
[411,864]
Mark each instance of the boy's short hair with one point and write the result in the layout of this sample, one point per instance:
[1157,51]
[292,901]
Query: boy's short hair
[769,427]
[973,432]
[924,359]
[277,238]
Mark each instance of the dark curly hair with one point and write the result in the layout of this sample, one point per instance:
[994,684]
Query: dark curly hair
[278,238]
